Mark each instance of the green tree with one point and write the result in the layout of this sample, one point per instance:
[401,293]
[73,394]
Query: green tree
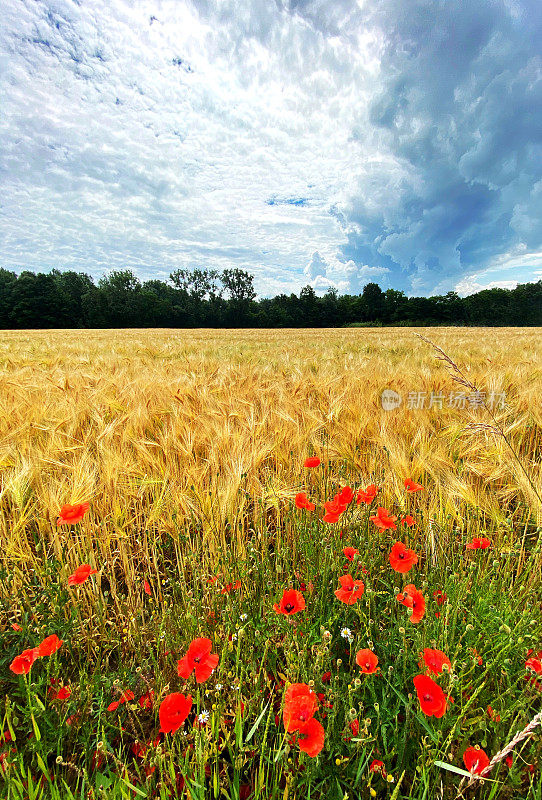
[72,288]
[36,301]
[8,281]
[122,294]
[373,302]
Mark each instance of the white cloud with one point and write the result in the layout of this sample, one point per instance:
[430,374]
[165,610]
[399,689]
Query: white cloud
[157,145]
[520,262]
[172,133]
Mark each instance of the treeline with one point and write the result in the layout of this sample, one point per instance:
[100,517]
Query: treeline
[208,298]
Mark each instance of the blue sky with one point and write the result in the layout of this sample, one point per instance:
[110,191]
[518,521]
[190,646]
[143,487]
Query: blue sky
[330,142]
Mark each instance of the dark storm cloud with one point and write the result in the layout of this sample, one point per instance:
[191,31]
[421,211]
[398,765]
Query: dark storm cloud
[460,110]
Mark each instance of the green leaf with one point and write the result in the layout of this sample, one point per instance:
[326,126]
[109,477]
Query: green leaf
[452,768]
[42,766]
[134,788]
[252,731]
[37,733]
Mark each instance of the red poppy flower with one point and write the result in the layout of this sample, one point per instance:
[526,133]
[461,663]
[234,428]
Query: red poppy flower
[300,704]
[173,711]
[322,698]
[311,737]
[534,664]
[435,660]
[146,587]
[312,461]
[146,700]
[326,677]
[302,501]
[440,597]
[414,599]
[367,495]
[350,552]
[69,515]
[81,574]
[229,587]
[509,760]
[475,760]
[492,715]
[198,658]
[292,602]
[139,750]
[21,664]
[346,495]
[16,626]
[478,543]
[350,591]
[401,558]
[377,766]
[432,698]
[49,645]
[383,520]
[59,694]
[367,661]
[124,698]
[334,509]
[408,520]
[354,727]
[410,486]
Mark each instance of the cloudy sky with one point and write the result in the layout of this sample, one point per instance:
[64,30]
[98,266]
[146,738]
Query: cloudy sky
[330,142]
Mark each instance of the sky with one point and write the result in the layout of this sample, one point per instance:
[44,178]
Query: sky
[324,142]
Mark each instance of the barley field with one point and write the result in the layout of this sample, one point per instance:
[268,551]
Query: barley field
[190,447]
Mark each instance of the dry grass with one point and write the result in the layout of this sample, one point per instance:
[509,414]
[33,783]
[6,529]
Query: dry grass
[167,431]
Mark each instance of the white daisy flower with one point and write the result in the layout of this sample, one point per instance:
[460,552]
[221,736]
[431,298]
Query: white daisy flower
[346,633]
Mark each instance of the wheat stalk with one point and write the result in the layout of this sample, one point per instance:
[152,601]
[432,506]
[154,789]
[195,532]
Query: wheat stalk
[519,737]
[460,378]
